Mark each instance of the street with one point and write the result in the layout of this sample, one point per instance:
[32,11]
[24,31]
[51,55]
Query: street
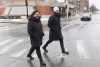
[81,39]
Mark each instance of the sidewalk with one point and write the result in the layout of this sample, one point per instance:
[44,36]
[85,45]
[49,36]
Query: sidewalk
[64,21]
[18,20]
[13,20]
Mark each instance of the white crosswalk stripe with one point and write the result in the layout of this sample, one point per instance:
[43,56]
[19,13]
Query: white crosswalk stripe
[14,28]
[10,46]
[82,51]
[83,54]
[4,42]
[96,44]
[19,54]
[7,29]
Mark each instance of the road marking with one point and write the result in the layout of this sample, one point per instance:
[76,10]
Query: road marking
[83,54]
[97,44]
[19,54]
[15,28]
[42,51]
[4,27]
[11,45]
[4,42]
[11,29]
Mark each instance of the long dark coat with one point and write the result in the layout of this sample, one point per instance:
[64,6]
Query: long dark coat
[55,28]
[35,32]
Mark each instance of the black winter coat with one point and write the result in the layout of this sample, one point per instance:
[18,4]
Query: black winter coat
[55,28]
[35,32]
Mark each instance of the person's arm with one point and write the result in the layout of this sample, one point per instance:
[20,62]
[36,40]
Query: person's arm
[50,21]
[31,30]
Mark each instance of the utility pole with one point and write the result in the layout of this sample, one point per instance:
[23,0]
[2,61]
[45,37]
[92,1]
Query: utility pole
[26,3]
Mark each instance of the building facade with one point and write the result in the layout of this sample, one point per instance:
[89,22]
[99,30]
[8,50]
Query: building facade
[84,5]
[45,7]
[79,6]
[12,7]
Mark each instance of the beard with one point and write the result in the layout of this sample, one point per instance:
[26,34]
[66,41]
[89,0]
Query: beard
[58,15]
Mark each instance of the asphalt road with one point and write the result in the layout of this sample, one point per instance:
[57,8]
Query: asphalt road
[82,40]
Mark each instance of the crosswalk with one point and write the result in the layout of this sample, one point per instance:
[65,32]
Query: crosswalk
[83,52]
[11,46]
[96,44]
[19,54]
[4,42]
[7,28]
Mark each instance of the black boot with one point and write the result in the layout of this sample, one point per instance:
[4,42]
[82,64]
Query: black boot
[30,57]
[30,52]
[40,56]
[42,63]
[65,52]
[45,49]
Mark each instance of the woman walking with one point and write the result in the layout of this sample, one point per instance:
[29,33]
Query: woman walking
[36,34]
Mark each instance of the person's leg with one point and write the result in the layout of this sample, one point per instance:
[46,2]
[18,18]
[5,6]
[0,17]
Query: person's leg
[30,52]
[38,51]
[62,47]
[47,43]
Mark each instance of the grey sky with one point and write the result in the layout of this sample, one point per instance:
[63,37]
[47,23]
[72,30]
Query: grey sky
[95,2]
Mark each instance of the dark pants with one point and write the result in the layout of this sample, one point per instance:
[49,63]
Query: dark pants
[37,51]
[61,44]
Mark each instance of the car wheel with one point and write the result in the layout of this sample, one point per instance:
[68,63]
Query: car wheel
[82,19]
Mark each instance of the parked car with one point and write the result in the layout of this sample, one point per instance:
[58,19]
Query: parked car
[86,16]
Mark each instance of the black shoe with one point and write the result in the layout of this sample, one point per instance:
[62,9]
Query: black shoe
[30,57]
[65,52]
[45,49]
[42,63]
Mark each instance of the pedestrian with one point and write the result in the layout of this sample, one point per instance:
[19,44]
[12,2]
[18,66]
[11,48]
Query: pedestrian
[69,14]
[36,34]
[55,30]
